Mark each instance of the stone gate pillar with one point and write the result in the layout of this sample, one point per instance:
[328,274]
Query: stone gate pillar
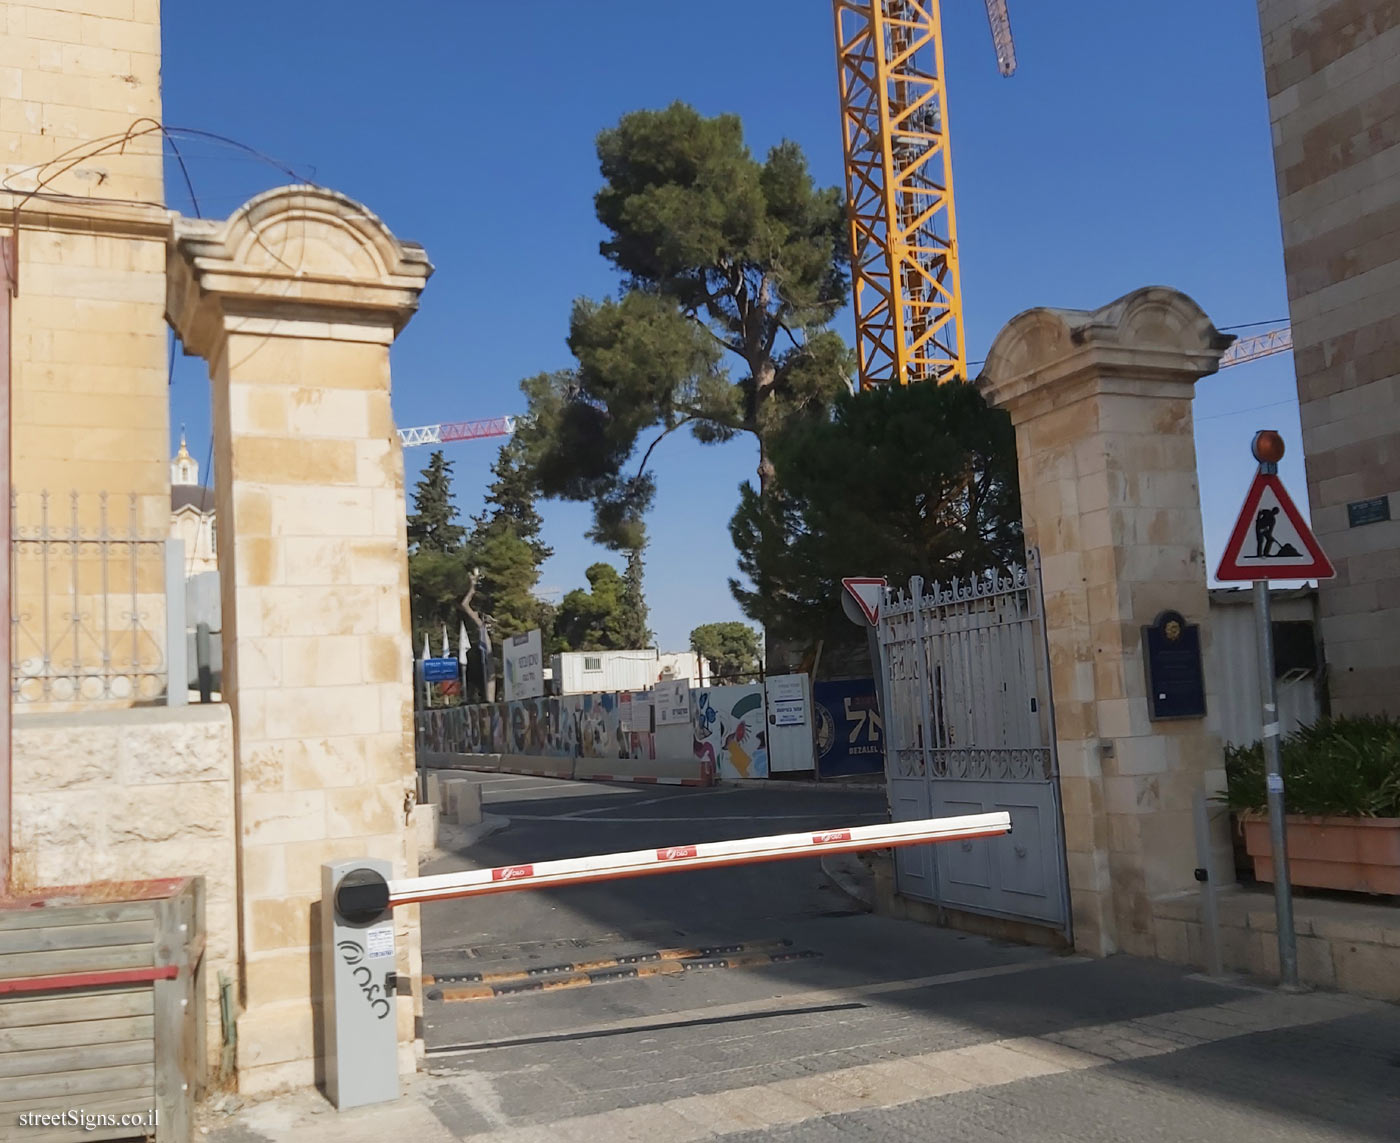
[1101,402]
[294,302]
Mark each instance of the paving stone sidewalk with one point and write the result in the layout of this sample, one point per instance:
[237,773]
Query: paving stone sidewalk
[1113,1050]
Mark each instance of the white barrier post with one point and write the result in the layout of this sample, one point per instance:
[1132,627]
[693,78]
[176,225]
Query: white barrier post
[359,983]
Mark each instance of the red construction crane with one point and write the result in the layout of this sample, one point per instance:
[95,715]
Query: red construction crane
[1246,349]
[450,431]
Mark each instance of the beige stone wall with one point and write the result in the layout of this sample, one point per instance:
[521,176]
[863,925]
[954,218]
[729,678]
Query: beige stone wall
[89,371]
[76,72]
[132,795]
[1351,945]
[295,301]
[1102,407]
[320,658]
[90,405]
[1332,69]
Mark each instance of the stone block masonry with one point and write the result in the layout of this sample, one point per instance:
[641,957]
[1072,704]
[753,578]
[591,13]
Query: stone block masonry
[1101,402]
[1332,69]
[294,302]
[132,795]
[90,406]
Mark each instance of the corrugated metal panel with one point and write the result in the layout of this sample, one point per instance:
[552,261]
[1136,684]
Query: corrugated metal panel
[1232,667]
[619,670]
[616,671]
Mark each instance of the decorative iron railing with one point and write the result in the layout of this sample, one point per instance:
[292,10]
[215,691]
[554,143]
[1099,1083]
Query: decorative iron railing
[87,607]
[966,675]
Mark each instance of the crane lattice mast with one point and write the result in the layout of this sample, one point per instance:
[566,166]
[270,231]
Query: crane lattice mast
[899,186]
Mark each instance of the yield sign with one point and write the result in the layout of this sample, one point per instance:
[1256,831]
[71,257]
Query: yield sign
[867,593]
[1271,540]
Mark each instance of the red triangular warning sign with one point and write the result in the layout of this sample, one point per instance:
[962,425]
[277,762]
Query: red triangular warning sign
[1271,540]
[867,593]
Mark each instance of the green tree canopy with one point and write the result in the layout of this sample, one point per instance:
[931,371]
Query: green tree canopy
[497,562]
[724,258]
[437,581]
[599,619]
[430,524]
[731,648]
[908,480]
[505,550]
[510,500]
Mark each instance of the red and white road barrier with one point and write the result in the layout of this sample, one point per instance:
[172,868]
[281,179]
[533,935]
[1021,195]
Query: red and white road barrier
[706,855]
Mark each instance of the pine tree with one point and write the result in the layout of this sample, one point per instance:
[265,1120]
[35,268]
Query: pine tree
[512,494]
[634,605]
[430,525]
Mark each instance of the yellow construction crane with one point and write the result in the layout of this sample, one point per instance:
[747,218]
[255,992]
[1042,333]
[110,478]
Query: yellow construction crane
[899,186]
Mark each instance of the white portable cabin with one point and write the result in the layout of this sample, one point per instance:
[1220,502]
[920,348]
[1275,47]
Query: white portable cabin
[586,672]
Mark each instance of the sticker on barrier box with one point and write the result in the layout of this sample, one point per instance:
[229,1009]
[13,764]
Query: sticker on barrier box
[379,942]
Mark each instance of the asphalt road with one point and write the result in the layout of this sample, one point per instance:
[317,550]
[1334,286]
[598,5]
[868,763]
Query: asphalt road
[750,909]
[887,1030]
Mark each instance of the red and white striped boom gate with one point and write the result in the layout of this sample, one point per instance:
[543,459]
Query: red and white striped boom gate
[371,897]
[357,924]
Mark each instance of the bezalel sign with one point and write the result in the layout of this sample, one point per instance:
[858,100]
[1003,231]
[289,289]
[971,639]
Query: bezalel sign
[523,662]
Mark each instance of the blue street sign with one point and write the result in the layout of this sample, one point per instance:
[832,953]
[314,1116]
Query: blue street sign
[439,670]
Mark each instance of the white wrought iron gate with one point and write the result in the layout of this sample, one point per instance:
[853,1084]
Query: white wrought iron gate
[970,729]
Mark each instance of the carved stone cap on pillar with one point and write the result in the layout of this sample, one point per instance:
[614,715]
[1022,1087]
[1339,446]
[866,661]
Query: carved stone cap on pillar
[1149,341]
[285,258]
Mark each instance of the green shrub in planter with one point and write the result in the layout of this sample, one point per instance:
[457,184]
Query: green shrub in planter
[1348,767]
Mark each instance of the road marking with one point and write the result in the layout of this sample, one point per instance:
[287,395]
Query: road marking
[815,998]
[638,803]
[516,788]
[913,1079]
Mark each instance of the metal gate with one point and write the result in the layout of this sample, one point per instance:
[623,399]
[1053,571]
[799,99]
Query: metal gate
[970,729]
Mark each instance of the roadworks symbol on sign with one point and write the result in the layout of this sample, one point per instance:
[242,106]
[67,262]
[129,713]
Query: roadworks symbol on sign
[1271,540]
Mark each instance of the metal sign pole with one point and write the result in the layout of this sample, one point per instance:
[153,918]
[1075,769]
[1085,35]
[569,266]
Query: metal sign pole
[1273,772]
[1267,507]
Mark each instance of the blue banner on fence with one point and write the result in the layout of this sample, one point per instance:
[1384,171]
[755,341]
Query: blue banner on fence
[439,670]
[850,732]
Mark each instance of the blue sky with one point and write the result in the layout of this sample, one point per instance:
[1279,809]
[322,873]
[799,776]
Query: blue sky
[1131,148]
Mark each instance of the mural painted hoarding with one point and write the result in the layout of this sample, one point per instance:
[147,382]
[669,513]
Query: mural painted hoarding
[729,730]
[573,726]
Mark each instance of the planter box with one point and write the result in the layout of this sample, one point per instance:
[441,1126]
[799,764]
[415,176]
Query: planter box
[1359,855]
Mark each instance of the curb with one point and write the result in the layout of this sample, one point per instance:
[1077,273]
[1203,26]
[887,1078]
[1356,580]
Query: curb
[848,884]
[830,786]
[648,779]
[452,840]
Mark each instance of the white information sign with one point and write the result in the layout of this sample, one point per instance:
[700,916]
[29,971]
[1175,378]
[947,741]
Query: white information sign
[524,666]
[783,687]
[789,712]
[672,702]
